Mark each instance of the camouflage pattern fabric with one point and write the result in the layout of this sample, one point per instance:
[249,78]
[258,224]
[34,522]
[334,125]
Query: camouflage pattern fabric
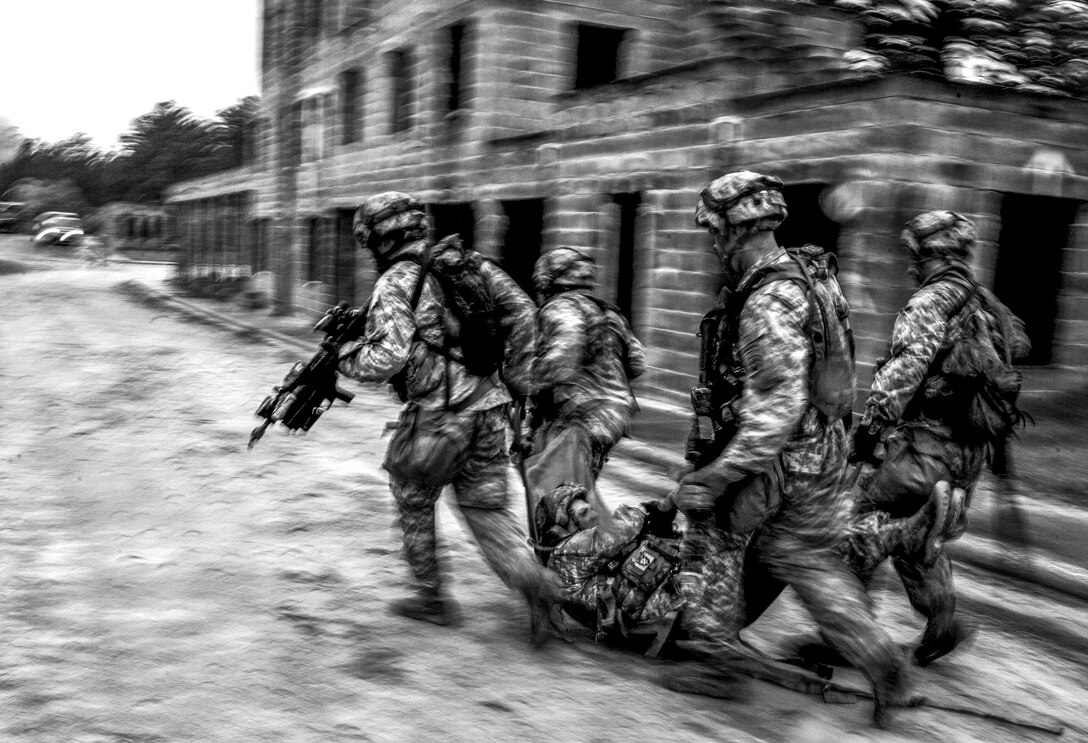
[921,329]
[799,544]
[585,357]
[581,562]
[396,339]
[482,497]
[393,210]
[712,581]
[580,558]
[939,233]
[919,451]
[745,197]
[564,268]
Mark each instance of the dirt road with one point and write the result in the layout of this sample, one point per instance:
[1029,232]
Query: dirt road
[160,583]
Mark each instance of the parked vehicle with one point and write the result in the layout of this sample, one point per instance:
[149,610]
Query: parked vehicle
[63,230]
[9,215]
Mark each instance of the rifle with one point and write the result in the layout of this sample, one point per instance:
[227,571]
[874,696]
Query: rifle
[310,388]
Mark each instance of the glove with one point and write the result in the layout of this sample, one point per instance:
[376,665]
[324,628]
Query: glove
[699,491]
[866,439]
[660,515]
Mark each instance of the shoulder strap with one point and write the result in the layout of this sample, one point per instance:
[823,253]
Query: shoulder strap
[796,272]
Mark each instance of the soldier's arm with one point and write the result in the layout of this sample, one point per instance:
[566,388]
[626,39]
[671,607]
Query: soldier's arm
[916,337]
[519,322]
[775,352]
[390,326]
[561,344]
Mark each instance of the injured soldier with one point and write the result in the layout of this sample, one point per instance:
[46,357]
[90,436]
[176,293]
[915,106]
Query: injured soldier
[618,581]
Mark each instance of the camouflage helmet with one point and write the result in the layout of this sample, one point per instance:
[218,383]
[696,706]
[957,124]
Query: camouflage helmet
[742,198]
[553,510]
[564,268]
[388,212]
[939,234]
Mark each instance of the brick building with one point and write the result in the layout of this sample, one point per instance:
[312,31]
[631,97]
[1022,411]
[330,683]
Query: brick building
[529,125]
[138,230]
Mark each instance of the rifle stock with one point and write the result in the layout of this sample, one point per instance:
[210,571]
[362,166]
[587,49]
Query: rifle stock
[310,388]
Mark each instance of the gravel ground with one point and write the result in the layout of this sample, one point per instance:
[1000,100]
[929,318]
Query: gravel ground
[160,583]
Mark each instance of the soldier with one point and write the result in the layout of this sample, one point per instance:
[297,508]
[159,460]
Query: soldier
[409,340]
[917,405]
[778,460]
[586,356]
[601,592]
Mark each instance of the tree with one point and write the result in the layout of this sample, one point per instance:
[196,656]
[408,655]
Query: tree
[236,130]
[10,139]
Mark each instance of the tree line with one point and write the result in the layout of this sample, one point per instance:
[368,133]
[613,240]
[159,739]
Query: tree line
[167,145]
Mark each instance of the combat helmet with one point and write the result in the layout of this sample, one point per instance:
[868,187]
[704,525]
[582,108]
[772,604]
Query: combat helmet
[552,514]
[563,269]
[939,234]
[389,219]
[742,199]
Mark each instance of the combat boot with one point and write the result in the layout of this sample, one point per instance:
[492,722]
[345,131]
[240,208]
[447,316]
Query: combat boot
[428,607]
[924,532]
[939,644]
[541,597]
[891,691]
[957,515]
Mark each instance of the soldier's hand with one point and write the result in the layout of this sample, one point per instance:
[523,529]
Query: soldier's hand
[698,491]
[865,442]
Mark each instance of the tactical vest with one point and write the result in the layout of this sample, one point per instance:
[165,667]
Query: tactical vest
[831,377]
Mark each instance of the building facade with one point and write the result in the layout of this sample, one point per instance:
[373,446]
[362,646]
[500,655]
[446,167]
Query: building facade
[527,125]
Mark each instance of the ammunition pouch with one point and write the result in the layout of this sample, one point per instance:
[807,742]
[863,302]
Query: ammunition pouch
[428,447]
[749,502]
[644,570]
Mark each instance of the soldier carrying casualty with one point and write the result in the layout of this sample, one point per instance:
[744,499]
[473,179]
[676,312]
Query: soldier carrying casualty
[586,356]
[452,332]
[945,394]
[769,482]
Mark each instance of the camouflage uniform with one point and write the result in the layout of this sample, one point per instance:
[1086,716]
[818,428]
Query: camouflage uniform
[399,340]
[912,401]
[582,558]
[586,354]
[798,544]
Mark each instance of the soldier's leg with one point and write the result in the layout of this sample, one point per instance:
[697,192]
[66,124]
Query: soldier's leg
[842,610]
[932,593]
[899,508]
[761,588]
[711,582]
[415,513]
[484,501]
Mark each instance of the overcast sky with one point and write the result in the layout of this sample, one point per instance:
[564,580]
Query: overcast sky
[93,66]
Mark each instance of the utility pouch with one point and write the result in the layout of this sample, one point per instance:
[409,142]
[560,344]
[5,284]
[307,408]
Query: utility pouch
[653,562]
[747,503]
[428,447]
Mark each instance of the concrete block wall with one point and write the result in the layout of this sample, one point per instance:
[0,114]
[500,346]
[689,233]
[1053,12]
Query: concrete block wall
[902,145]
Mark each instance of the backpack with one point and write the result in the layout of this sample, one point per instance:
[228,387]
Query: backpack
[977,368]
[612,322]
[473,321]
[832,376]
